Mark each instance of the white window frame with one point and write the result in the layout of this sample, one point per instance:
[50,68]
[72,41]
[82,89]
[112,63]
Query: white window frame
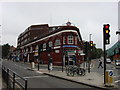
[70,39]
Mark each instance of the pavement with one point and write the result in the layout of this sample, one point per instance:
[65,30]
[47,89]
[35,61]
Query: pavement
[92,79]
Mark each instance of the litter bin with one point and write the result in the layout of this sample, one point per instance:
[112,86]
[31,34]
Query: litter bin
[109,78]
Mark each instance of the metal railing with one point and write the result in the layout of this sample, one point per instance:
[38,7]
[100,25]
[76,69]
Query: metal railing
[13,80]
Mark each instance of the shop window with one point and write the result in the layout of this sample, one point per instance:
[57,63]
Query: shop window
[57,42]
[70,39]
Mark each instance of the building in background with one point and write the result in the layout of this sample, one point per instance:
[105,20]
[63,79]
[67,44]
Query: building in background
[114,51]
[61,43]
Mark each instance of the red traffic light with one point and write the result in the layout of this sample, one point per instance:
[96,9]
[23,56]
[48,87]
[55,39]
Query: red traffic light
[91,41]
[106,26]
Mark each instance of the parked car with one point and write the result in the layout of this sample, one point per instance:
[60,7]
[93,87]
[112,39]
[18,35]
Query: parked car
[117,63]
[108,60]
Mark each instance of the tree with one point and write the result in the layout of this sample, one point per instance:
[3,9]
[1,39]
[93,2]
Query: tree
[5,50]
[94,53]
[97,53]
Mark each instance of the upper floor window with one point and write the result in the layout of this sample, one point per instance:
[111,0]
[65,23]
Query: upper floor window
[50,44]
[70,39]
[31,49]
[76,40]
[36,48]
[57,42]
[64,40]
[44,45]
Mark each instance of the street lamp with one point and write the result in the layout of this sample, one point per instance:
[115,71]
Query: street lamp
[89,55]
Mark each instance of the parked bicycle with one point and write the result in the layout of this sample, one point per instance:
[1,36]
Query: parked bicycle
[75,70]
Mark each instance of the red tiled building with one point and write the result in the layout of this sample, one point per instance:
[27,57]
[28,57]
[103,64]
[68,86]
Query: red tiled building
[61,43]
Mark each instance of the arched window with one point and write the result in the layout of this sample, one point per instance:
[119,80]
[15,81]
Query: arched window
[50,44]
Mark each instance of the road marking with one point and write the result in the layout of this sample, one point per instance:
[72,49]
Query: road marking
[117,81]
[33,77]
[39,72]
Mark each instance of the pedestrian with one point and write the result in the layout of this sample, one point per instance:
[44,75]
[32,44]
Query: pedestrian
[50,63]
[100,64]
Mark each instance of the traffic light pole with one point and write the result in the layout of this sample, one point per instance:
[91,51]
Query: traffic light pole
[104,46]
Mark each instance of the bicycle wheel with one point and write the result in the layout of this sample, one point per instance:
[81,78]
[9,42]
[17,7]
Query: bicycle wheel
[71,71]
[83,72]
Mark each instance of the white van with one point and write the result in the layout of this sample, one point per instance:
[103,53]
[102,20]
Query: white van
[117,63]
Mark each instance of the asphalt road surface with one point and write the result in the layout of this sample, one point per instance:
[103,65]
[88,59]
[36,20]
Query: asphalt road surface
[39,80]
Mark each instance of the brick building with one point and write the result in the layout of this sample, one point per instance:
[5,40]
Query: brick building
[61,43]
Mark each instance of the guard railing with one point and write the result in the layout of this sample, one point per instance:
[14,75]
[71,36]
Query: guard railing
[13,80]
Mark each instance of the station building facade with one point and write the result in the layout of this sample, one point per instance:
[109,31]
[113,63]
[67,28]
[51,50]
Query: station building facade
[63,44]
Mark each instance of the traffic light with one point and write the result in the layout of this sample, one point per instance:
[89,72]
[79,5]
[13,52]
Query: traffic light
[86,44]
[91,44]
[106,31]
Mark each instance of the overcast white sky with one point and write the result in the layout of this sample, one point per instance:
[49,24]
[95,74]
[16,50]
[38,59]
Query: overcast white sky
[89,17]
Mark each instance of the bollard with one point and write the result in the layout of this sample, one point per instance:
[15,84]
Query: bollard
[33,65]
[25,84]
[109,78]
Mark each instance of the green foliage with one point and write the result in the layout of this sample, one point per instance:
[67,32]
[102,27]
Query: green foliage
[5,50]
[95,52]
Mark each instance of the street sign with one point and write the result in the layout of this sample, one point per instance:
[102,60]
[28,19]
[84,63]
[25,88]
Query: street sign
[111,73]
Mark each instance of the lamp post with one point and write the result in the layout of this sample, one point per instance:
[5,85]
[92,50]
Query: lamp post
[89,55]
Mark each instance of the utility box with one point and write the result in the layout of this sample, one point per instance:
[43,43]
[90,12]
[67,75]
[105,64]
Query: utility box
[109,78]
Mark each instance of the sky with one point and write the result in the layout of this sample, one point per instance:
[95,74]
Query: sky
[88,16]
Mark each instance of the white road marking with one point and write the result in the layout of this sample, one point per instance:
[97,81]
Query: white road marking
[33,77]
[117,81]
[39,72]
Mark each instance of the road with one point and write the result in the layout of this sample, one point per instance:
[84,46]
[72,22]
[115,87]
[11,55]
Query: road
[39,80]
